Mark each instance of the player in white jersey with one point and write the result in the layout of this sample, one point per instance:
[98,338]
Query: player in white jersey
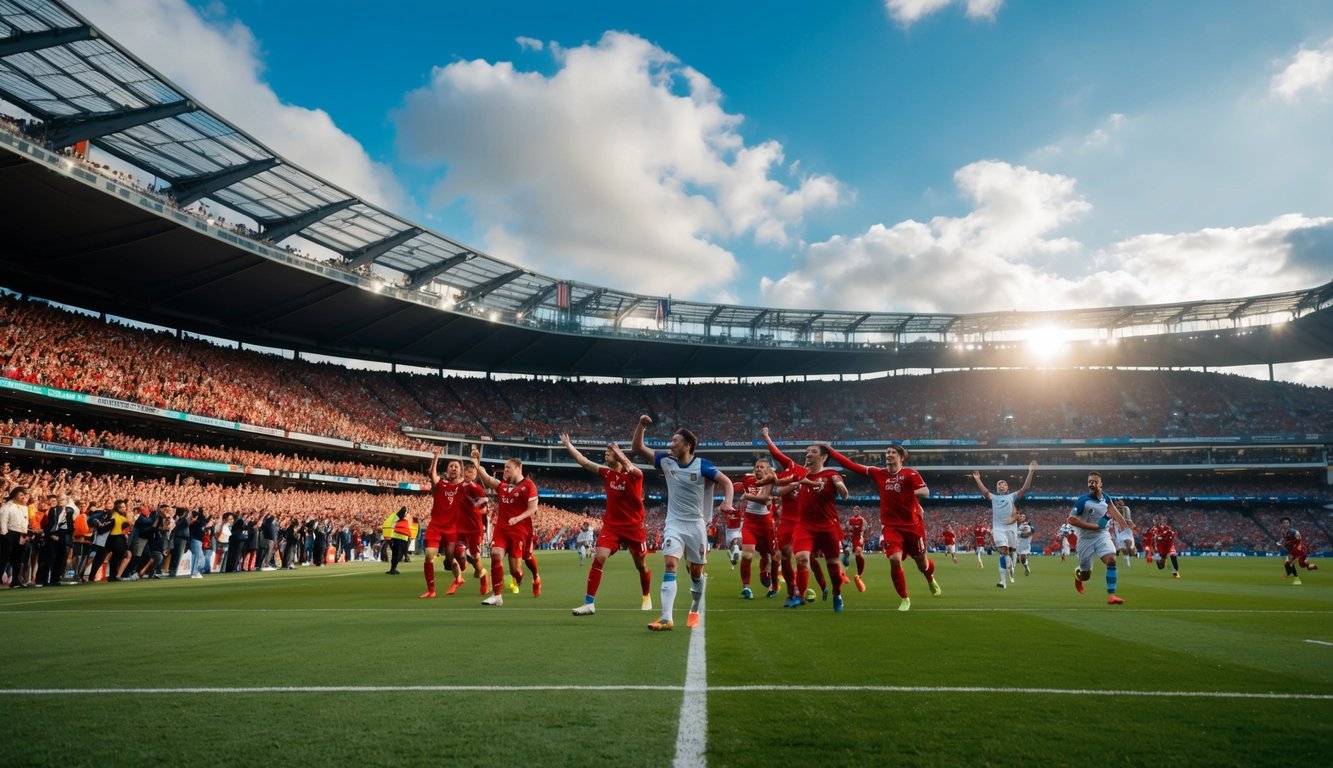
[1124,537]
[584,542]
[1004,518]
[1026,531]
[1091,514]
[1066,531]
[689,480]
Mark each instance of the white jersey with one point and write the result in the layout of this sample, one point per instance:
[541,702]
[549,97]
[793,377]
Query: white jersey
[1093,512]
[585,538]
[689,489]
[1002,509]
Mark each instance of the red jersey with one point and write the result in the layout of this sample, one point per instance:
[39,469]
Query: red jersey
[450,499]
[793,504]
[1149,536]
[472,519]
[949,537]
[819,504]
[1291,538]
[979,534]
[1163,538]
[734,518]
[624,498]
[898,503]
[511,500]
[856,526]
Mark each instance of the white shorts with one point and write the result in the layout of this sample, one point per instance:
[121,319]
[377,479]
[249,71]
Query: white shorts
[1064,546]
[688,541]
[1024,546]
[1005,537]
[1093,545]
[733,534]
[1124,540]
[951,549]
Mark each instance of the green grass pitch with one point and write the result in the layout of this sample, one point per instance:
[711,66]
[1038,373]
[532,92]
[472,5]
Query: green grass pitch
[1230,665]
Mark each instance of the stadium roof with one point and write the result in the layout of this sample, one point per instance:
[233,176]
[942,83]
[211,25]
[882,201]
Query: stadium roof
[451,305]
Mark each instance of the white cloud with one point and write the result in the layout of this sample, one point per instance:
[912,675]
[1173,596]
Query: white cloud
[908,12]
[1308,70]
[529,43]
[621,168]
[1003,255]
[219,63]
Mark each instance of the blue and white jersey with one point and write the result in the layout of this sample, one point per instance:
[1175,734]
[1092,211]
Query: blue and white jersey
[1002,509]
[689,488]
[1092,511]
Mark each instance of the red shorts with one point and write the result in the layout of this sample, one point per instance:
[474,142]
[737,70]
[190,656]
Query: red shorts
[435,534]
[513,542]
[758,533]
[632,539]
[1297,552]
[858,542]
[471,540]
[1170,551]
[786,530]
[907,539]
[822,543]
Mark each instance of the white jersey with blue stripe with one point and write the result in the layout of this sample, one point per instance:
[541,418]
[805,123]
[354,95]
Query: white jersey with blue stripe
[689,488]
[1092,511]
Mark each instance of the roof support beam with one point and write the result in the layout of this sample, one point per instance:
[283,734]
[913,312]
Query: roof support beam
[36,41]
[759,318]
[64,131]
[368,253]
[852,326]
[627,311]
[537,299]
[190,189]
[481,289]
[587,301]
[278,230]
[424,275]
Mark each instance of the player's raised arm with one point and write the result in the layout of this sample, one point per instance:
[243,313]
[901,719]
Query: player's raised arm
[616,451]
[639,446]
[486,479]
[782,458]
[847,463]
[582,460]
[1027,482]
[1113,510]
[985,492]
[435,465]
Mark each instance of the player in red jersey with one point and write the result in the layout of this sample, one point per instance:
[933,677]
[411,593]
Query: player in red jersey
[622,525]
[1296,552]
[1148,536]
[856,528]
[515,502]
[1164,544]
[900,492]
[820,531]
[451,497]
[790,519]
[471,533]
[757,530]
[950,539]
[979,535]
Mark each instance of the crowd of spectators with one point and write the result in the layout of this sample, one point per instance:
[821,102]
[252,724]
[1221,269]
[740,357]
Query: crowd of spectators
[68,350]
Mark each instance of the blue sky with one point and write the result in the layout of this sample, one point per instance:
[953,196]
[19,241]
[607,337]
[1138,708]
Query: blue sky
[928,155]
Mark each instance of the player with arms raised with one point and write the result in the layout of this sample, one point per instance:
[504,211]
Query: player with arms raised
[820,530]
[622,525]
[1004,518]
[689,480]
[900,492]
[515,502]
[452,498]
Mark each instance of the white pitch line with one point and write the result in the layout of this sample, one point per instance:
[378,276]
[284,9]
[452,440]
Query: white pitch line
[701,690]
[1319,642]
[692,732]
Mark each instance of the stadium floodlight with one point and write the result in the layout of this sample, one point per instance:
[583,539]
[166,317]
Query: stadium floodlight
[1046,343]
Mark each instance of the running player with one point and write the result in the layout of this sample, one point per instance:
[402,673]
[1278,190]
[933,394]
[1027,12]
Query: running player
[1296,552]
[790,517]
[733,523]
[900,492]
[471,534]
[1124,537]
[515,502]
[980,533]
[450,496]
[584,542]
[1025,533]
[856,527]
[1091,514]
[1004,519]
[950,539]
[622,525]
[820,530]
[1068,540]
[1164,544]
[689,480]
[757,530]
